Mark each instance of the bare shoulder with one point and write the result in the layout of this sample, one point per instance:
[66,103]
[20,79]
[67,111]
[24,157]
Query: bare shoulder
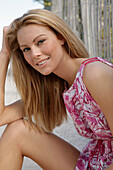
[96,72]
[98,79]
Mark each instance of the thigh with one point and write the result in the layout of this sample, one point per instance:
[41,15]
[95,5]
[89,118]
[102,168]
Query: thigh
[46,149]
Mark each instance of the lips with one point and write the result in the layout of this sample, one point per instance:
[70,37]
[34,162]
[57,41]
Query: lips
[42,62]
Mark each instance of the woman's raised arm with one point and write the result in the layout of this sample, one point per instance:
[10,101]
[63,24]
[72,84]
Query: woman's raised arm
[14,111]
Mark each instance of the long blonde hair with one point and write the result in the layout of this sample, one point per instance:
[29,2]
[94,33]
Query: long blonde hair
[42,95]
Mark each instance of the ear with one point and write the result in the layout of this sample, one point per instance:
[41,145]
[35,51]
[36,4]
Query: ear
[60,38]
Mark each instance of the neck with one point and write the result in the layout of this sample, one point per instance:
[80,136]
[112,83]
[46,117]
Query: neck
[68,69]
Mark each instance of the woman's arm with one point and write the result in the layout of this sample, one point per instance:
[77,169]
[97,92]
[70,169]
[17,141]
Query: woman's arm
[98,78]
[14,111]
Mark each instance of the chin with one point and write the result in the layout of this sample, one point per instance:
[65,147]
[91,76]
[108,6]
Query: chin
[46,73]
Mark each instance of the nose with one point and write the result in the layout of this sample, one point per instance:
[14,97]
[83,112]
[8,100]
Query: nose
[35,52]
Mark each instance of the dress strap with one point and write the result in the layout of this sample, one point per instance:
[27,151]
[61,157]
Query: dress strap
[89,60]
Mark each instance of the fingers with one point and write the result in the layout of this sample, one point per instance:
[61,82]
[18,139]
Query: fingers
[4,45]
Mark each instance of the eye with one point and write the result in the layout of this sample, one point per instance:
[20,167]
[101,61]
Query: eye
[40,42]
[26,49]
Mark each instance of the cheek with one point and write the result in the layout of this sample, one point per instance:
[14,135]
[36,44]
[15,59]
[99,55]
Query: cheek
[46,50]
[49,48]
[28,59]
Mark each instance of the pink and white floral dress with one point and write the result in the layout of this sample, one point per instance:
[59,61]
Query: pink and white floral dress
[90,122]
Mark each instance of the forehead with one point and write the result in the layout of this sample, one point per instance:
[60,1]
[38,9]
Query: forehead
[31,31]
[34,28]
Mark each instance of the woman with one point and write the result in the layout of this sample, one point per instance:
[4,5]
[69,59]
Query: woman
[49,60]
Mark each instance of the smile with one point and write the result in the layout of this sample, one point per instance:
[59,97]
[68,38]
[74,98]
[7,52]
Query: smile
[43,62]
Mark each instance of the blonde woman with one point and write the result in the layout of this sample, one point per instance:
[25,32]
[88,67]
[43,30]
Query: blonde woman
[53,72]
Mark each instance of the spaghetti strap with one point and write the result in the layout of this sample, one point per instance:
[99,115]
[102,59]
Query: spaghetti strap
[89,60]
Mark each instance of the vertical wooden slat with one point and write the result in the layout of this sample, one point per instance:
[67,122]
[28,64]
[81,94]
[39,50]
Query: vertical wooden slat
[92,18]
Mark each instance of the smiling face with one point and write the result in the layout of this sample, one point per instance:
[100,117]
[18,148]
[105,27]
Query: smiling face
[41,48]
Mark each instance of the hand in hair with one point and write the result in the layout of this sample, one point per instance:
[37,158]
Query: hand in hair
[5,49]
[13,111]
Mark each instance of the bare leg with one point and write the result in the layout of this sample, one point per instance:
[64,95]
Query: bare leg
[46,149]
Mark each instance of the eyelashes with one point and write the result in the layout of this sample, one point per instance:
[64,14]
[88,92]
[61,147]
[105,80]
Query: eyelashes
[26,49]
[38,43]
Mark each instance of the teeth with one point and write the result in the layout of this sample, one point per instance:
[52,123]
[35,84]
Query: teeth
[42,62]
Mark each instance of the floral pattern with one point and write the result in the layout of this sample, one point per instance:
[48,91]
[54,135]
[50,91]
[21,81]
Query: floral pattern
[90,122]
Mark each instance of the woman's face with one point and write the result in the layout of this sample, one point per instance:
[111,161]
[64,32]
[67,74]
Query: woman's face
[41,48]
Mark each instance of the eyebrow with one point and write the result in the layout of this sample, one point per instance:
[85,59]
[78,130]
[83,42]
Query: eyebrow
[34,39]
